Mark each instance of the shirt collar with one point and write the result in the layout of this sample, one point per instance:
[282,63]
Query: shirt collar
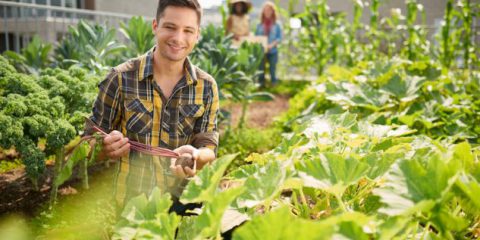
[146,63]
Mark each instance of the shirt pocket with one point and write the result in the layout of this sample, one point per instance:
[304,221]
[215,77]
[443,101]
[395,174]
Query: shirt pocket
[187,116]
[138,115]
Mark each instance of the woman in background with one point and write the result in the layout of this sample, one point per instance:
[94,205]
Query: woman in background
[238,23]
[269,27]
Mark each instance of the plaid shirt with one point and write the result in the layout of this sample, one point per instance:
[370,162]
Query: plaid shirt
[132,102]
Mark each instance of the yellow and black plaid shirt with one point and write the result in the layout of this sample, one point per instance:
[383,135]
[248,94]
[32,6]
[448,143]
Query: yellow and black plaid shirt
[130,101]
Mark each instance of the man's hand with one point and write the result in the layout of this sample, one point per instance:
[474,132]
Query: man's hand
[115,145]
[186,150]
[201,157]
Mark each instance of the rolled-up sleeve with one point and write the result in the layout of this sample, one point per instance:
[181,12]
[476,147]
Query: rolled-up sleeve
[205,131]
[106,112]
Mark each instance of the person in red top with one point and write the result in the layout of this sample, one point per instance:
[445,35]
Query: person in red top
[270,28]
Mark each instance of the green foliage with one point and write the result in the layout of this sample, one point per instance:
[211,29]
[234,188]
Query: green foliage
[35,56]
[6,166]
[140,35]
[263,185]
[204,187]
[289,88]
[91,46]
[43,108]
[327,38]
[208,223]
[331,172]
[247,140]
[61,135]
[421,95]
[215,55]
[147,218]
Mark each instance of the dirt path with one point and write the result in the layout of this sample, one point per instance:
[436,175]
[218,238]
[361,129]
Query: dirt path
[260,114]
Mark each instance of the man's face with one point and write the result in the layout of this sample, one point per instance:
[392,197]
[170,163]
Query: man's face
[177,32]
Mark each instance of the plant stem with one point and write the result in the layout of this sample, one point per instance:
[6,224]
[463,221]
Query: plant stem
[340,202]
[84,173]
[241,123]
[59,158]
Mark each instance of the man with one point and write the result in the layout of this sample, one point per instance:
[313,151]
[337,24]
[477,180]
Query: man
[159,99]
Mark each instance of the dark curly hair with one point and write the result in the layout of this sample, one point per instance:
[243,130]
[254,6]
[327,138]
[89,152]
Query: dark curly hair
[244,10]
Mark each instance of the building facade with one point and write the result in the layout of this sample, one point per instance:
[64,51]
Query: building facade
[49,19]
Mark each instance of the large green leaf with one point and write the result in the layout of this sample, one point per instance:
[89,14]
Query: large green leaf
[80,153]
[203,187]
[380,163]
[415,184]
[144,218]
[139,33]
[404,89]
[264,184]
[462,154]
[350,95]
[282,224]
[469,188]
[331,172]
[208,223]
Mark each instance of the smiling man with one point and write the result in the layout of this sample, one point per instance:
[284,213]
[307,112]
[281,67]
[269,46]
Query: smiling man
[159,99]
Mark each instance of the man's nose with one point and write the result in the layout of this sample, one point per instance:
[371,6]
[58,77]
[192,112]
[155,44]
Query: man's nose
[178,35]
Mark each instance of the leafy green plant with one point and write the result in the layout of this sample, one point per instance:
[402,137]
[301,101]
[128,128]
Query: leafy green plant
[140,35]
[44,108]
[234,70]
[35,56]
[91,46]
[338,174]
[416,44]
[245,141]
[417,94]
[466,13]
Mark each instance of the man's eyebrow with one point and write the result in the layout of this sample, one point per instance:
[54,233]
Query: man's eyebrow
[175,25]
[169,24]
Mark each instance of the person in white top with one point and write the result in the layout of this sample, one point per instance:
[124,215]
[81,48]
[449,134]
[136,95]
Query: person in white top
[238,23]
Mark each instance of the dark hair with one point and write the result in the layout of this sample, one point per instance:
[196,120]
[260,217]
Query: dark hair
[244,10]
[192,4]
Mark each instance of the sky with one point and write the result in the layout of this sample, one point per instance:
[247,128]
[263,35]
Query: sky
[209,3]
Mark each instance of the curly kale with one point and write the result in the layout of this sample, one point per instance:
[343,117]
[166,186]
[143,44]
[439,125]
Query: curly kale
[37,126]
[40,103]
[14,105]
[11,131]
[61,135]
[78,120]
[33,159]
[51,107]
[19,83]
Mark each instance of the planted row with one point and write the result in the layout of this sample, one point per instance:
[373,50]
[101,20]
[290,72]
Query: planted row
[335,176]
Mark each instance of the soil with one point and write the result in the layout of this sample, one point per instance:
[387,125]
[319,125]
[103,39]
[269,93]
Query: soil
[259,114]
[19,196]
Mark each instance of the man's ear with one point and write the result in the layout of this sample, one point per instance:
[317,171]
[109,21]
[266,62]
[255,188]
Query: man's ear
[154,25]
[199,34]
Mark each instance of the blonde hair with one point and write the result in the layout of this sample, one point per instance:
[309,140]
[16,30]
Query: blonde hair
[274,8]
